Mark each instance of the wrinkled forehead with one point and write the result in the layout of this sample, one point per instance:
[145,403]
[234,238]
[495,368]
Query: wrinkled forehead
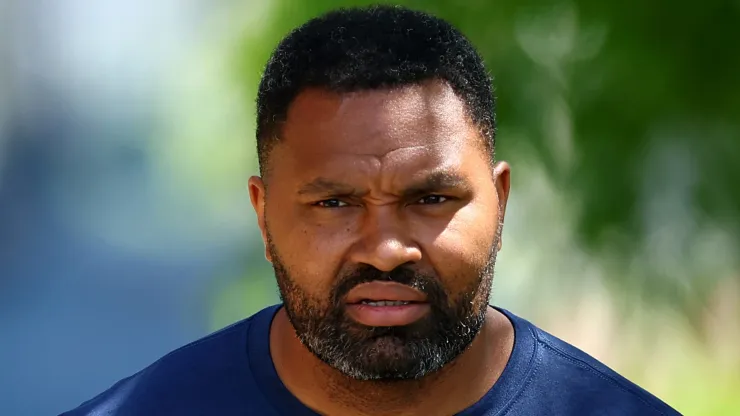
[419,126]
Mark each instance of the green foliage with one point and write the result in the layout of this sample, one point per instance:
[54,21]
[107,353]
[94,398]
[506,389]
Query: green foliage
[633,109]
[590,89]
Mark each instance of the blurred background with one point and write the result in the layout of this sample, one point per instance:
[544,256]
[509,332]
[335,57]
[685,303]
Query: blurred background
[127,138]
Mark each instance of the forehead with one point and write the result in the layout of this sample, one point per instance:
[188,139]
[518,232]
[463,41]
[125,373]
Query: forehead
[415,127]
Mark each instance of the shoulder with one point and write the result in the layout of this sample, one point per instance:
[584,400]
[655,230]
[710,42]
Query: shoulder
[207,376]
[566,379]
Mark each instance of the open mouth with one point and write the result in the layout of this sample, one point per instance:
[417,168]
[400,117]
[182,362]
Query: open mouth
[386,304]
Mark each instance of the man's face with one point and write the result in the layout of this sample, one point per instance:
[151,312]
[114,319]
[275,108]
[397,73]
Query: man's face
[382,218]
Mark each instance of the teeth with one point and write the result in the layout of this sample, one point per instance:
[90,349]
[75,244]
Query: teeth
[385,303]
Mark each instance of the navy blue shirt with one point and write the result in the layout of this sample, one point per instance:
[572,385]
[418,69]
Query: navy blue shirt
[230,372]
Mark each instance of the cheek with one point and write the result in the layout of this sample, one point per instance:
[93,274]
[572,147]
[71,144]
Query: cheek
[310,251]
[463,248]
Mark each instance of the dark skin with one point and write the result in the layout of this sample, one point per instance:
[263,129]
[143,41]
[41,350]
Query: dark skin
[385,178]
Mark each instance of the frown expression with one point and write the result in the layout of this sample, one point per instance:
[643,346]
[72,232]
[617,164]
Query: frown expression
[393,183]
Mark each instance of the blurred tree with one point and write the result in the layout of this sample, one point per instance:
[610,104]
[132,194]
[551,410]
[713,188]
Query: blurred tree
[592,89]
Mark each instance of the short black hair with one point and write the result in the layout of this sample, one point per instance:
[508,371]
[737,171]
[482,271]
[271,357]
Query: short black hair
[354,49]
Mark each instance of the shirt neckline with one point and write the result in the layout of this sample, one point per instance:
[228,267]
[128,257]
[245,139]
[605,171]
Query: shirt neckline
[512,380]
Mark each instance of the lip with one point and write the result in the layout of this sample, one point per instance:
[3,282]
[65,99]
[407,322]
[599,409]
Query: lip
[387,315]
[377,291]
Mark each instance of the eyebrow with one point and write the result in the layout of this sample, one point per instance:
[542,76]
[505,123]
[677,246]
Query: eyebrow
[434,182]
[326,186]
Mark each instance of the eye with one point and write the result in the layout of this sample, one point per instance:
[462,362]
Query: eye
[331,203]
[433,199]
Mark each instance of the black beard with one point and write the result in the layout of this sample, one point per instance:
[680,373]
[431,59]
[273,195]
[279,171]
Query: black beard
[387,353]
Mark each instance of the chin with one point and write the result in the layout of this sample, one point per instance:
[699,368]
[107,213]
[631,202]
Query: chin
[386,358]
[387,348]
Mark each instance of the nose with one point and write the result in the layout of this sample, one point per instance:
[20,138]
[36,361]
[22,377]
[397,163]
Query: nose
[385,242]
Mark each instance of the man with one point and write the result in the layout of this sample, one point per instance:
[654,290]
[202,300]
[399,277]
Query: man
[381,209]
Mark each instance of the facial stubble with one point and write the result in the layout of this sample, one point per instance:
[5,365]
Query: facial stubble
[406,352]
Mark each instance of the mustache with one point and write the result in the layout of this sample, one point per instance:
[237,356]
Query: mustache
[404,275]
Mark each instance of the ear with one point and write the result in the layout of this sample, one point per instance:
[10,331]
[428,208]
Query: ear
[502,182]
[257,196]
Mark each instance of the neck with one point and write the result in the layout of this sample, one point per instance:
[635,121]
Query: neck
[457,386]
